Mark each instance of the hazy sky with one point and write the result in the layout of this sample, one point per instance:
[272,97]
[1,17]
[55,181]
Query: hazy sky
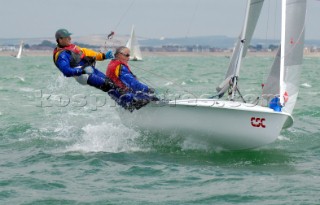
[152,18]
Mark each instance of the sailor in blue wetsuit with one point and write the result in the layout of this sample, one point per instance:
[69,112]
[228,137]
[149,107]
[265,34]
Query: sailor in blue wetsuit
[79,63]
[130,93]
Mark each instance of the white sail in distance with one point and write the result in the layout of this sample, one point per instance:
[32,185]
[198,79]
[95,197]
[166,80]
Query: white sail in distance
[20,50]
[132,44]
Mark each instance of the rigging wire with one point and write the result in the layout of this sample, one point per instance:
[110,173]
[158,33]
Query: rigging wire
[192,18]
[112,32]
[174,84]
[266,40]
[275,21]
[267,37]
[123,15]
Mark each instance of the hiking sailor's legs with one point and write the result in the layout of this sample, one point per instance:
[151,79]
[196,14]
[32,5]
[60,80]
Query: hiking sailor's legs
[96,79]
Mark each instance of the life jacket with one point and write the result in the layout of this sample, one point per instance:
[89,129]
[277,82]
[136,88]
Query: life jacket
[76,55]
[113,73]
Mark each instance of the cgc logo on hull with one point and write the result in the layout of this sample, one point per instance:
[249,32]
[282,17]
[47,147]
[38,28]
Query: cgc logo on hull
[258,122]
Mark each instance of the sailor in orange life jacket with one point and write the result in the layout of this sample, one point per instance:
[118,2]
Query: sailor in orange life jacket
[79,63]
[129,93]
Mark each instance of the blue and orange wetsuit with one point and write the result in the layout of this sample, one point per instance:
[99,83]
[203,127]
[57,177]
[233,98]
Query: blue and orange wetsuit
[72,59]
[130,93]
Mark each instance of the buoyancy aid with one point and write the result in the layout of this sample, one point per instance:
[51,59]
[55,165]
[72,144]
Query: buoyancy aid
[76,55]
[114,71]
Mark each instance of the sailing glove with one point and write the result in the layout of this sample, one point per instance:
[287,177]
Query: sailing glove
[151,90]
[109,54]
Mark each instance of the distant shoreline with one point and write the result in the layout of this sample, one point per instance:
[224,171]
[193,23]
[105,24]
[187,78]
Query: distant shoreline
[170,54]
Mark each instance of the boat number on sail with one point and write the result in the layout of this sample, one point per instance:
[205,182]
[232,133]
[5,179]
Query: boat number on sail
[258,122]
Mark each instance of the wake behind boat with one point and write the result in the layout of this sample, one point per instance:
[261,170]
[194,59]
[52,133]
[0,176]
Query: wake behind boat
[236,124]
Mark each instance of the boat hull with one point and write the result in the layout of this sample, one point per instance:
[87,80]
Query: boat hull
[231,125]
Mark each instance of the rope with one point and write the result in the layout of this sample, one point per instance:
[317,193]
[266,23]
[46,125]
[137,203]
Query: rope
[274,8]
[175,85]
[121,18]
[116,27]
[192,19]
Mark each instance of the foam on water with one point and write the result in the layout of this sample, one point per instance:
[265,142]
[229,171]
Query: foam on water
[189,144]
[26,89]
[20,78]
[306,85]
[283,138]
[106,137]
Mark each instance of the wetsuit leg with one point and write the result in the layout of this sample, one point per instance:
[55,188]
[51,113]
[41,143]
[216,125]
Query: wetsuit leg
[124,100]
[96,79]
[131,101]
[99,80]
[99,73]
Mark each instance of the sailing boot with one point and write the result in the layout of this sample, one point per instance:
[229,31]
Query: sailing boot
[108,85]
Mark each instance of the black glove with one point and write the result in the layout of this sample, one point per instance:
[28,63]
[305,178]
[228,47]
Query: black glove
[151,90]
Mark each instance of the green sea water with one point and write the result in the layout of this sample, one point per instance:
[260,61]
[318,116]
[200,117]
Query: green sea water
[63,143]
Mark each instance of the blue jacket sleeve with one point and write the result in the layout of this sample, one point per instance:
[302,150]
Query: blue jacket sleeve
[130,81]
[63,63]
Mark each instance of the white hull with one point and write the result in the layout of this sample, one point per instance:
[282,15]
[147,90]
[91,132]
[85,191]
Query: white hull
[231,125]
[135,58]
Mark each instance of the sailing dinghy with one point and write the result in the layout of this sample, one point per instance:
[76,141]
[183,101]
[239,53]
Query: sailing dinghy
[229,123]
[132,44]
[20,50]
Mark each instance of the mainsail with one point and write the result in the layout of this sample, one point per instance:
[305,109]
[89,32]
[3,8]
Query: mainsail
[252,15]
[285,72]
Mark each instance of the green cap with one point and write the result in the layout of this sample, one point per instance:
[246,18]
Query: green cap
[62,33]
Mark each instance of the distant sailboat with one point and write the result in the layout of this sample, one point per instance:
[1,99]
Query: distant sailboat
[20,50]
[132,44]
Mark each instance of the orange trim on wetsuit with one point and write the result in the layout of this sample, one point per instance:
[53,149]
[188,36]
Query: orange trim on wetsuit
[114,71]
[78,53]
[72,48]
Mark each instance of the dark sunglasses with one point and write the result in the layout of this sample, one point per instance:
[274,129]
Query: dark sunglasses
[126,55]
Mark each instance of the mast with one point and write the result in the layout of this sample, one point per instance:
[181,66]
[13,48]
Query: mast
[282,55]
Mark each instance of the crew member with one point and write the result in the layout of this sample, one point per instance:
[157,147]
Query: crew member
[130,93]
[79,63]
